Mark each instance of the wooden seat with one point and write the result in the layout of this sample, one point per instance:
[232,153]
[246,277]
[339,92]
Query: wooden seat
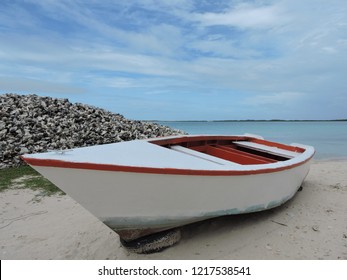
[203,156]
[268,149]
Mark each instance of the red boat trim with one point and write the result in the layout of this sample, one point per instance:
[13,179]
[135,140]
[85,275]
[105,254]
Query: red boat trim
[234,155]
[226,148]
[152,170]
[277,145]
[194,139]
[188,140]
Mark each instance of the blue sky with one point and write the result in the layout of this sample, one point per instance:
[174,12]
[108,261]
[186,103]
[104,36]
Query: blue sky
[180,59]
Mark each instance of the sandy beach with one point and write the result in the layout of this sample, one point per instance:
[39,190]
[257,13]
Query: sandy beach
[313,225]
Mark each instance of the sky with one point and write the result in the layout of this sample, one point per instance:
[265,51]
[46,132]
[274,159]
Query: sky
[180,59]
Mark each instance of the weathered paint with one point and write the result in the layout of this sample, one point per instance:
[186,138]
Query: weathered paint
[143,222]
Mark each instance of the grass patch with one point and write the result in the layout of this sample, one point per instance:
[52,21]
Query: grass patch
[25,177]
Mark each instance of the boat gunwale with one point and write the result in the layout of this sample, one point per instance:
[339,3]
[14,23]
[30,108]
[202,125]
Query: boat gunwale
[307,152]
[155,170]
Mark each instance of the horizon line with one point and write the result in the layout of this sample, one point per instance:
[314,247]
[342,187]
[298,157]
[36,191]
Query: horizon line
[251,120]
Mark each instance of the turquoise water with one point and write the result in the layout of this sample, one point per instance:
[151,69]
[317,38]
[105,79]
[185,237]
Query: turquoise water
[328,138]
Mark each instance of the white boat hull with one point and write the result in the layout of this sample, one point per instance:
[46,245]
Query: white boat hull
[126,200]
[141,187]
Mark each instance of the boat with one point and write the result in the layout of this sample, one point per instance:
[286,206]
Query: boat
[145,190]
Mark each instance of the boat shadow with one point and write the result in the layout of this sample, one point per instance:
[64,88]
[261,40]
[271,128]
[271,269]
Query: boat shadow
[237,236]
[232,226]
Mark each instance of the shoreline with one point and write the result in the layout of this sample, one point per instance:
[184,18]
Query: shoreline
[312,225]
[329,159]
[272,120]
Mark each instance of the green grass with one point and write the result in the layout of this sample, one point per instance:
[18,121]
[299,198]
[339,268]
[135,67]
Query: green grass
[25,177]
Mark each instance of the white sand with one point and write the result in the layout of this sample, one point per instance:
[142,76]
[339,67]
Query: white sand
[313,225]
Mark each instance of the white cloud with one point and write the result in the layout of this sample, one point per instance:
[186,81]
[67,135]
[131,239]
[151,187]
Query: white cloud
[243,16]
[281,98]
[13,84]
[274,51]
[224,48]
[329,49]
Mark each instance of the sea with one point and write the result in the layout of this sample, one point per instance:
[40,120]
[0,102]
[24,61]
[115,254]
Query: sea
[329,138]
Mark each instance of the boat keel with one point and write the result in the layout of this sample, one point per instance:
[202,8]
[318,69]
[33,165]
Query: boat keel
[152,243]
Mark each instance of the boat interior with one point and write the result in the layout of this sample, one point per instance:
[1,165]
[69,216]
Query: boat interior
[231,150]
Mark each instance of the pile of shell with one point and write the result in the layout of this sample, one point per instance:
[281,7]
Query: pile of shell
[30,124]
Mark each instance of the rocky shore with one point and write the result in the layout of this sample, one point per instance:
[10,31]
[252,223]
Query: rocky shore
[30,123]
